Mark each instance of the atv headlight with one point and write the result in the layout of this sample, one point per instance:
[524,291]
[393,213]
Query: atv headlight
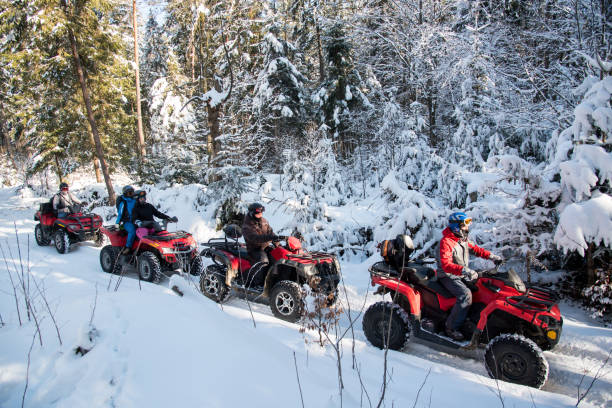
[337,264]
[309,270]
[166,250]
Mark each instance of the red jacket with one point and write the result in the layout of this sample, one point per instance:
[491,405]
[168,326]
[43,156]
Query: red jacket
[455,252]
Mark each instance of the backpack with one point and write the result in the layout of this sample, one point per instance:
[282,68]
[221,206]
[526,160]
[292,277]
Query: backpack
[387,250]
[396,251]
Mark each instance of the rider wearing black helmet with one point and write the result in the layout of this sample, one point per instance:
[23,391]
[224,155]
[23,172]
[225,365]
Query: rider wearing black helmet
[143,213]
[63,200]
[257,235]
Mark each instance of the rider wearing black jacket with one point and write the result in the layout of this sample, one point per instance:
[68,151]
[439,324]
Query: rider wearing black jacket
[143,212]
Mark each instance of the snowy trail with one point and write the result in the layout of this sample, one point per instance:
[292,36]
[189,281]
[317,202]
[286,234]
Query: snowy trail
[153,348]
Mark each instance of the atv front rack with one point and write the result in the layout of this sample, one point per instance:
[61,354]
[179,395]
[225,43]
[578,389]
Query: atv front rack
[535,299]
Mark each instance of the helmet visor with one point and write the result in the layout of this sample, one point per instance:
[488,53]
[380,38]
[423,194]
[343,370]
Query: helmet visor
[259,210]
[467,222]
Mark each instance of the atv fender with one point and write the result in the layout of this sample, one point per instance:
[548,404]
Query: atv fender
[412,296]
[501,304]
[221,258]
[269,279]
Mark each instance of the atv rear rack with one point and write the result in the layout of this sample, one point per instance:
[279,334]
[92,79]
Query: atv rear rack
[535,299]
[310,256]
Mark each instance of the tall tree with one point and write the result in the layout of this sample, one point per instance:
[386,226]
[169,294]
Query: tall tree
[141,141]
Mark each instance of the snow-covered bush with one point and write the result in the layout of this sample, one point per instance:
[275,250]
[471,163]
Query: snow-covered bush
[514,206]
[581,153]
[599,296]
[408,211]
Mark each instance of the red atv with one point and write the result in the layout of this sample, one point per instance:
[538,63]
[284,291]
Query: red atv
[515,322]
[64,232]
[152,254]
[292,268]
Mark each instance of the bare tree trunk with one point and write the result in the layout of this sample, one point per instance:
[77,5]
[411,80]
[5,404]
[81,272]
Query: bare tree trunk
[141,142]
[213,137]
[58,169]
[96,162]
[90,116]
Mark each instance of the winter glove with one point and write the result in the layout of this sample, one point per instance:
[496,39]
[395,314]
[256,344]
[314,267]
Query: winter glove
[496,259]
[469,274]
[173,219]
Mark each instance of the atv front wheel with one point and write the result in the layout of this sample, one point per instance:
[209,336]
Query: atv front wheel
[41,240]
[108,258]
[286,301]
[386,324]
[212,283]
[516,359]
[149,267]
[196,267]
[62,241]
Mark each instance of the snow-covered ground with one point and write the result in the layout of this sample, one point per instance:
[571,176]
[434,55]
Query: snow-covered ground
[150,347]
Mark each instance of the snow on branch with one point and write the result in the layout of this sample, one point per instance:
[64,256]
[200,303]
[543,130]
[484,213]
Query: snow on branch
[586,222]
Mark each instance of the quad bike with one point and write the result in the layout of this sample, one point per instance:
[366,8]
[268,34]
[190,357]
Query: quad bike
[64,232]
[513,321]
[291,268]
[152,255]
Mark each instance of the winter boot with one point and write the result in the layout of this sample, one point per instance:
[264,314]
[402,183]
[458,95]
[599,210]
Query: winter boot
[454,334]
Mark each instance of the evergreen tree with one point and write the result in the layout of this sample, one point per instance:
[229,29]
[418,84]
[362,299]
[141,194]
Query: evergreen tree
[341,89]
[279,104]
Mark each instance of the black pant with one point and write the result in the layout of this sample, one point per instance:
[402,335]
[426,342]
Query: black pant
[256,275]
[459,312]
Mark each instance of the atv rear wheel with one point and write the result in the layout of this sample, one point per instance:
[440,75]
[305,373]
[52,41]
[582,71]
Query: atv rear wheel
[149,267]
[196,266]
[286,301]
[62,241]
[212,283]
[516,359]
[386,324]
[108,258]
[41,240]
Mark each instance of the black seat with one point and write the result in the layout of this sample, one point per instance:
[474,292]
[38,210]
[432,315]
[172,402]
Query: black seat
[237,251]
[435,286]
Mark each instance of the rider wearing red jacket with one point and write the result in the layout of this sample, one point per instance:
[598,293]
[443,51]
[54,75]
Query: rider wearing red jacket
[455,251]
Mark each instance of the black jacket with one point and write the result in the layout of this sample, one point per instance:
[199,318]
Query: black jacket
[145,212]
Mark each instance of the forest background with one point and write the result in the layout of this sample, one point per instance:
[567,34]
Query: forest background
[498,108]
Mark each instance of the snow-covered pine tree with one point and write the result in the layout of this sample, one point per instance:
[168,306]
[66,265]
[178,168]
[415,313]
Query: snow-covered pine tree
[341,90]
[153,61]
[279,103]
[313,181]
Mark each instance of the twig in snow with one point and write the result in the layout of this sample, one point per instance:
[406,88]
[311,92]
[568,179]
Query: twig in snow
[597,376]
[298,379]
[44,298]
[93,310]
[421,388]
[25,389]
[12,284]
